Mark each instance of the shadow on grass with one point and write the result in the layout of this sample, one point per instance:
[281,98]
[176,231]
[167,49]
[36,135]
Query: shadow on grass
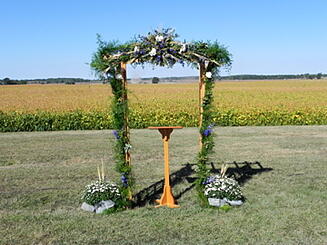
[243,171]
[152,192]
[240,171]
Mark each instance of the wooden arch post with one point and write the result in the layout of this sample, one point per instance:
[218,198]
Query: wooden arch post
[126,127]
[201,96]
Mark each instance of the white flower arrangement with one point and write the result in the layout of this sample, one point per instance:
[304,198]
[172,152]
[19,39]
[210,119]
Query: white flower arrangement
[136,49]
[100,186]
[183,48]
[209,74]
[159,38]
[221,187]
[127,147]
[153,52]
[100,191]
[119,76]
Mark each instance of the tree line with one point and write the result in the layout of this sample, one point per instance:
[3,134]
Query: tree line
[8,81]
[273,77]
[246,77]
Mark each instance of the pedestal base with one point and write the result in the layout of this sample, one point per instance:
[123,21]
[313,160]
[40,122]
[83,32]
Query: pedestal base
[167,199]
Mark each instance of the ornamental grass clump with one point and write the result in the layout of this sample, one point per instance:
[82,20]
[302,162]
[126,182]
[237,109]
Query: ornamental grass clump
[103,190]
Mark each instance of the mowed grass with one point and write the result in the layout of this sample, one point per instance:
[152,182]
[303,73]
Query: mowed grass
[42,175]
[287,95]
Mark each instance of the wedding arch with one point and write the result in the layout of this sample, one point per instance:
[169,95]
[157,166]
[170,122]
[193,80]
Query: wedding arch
[160,48]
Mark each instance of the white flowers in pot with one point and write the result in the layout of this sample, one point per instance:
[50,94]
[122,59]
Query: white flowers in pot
[221,190]
[100,195]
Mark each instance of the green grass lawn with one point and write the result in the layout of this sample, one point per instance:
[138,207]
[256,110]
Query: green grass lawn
[42,175]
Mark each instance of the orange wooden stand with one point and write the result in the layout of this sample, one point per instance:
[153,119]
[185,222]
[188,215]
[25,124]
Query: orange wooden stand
[167,198]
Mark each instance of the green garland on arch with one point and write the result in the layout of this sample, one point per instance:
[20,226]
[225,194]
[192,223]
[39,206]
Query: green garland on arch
[122,146]
[207,139]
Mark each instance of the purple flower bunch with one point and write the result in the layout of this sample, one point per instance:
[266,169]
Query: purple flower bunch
[124,180]
[116,134]
[141,52]
[160,46]
[208,131]
[171,50]
[209,180]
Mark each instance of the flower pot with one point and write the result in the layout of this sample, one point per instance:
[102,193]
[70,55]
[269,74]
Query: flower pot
[99,207]
[235,202]
[87,207]
[104,205]
[216,202]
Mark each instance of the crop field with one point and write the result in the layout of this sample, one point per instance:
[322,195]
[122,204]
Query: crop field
[291,102]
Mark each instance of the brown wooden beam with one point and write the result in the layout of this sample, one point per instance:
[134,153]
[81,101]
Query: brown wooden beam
[126,127]
[201,96]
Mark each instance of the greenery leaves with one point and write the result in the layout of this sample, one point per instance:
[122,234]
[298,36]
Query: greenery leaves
[159,48]
[120,112]
[207,135]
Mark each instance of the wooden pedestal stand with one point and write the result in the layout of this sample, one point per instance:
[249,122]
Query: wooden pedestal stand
[167,198]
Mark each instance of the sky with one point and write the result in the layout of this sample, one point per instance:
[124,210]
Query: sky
[43,39]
